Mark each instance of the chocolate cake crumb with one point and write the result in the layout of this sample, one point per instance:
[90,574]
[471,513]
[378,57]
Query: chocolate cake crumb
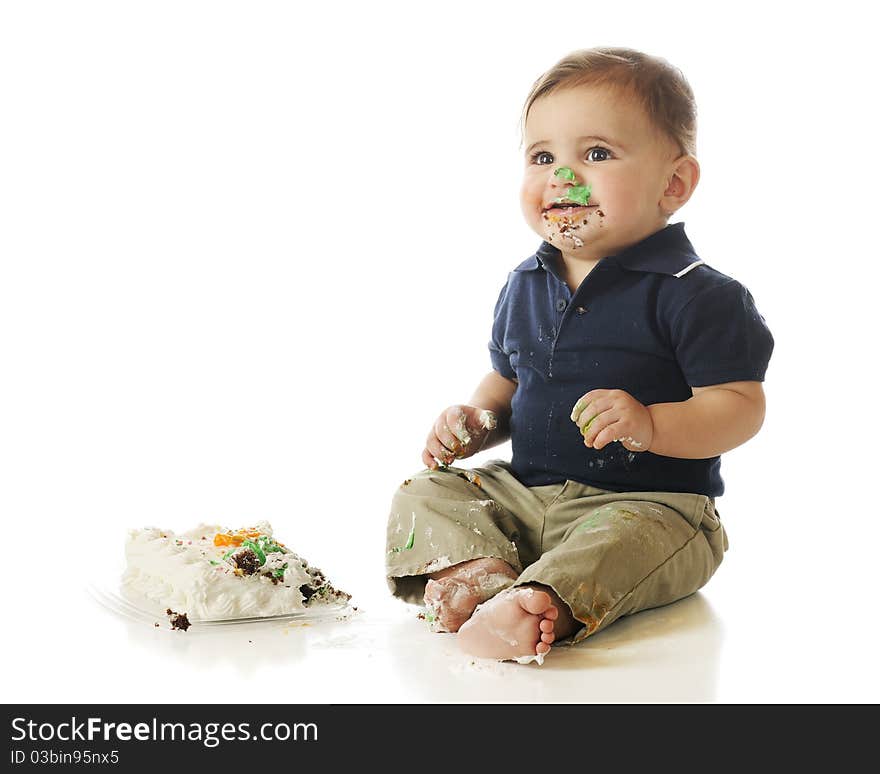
[307,591]
[178,620]
[246,561]
[322,592]
[274,578]
[319,589]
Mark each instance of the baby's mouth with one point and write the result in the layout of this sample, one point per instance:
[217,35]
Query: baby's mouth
[564,207]
[566,211]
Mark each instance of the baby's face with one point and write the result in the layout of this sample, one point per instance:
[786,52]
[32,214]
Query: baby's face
[608,143]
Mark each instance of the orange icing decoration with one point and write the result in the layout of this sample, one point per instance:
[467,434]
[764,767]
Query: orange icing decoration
[235,538]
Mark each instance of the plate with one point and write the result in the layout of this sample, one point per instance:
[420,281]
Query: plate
[111,596]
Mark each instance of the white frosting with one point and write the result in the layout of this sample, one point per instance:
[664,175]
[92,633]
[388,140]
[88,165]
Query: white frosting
[176,571]
[539,657]
[488,420]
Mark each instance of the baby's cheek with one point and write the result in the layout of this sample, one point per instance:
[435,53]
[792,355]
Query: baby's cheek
[530,204]
[533,218]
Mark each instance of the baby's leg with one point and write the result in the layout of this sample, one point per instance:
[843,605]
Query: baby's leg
[630,555]
[451,540]
[613,560]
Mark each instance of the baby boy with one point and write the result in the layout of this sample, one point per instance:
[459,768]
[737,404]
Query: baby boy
[623,366]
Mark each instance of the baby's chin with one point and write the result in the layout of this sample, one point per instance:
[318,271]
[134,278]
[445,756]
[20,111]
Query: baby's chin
[568,242]
[570,236]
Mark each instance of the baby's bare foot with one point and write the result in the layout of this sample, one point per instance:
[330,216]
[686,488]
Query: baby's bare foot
[450,603]
[515,624]
[452,595]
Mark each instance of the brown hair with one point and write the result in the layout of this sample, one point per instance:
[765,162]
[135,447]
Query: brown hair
[657,86]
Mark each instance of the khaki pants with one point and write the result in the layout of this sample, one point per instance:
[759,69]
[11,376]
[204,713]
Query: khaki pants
[606,554]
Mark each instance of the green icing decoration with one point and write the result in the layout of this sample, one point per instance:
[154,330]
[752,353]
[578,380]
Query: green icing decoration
[269,545]
[565,173]
[579,194]
[410,541]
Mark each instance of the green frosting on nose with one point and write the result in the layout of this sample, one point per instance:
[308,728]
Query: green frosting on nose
[577,194]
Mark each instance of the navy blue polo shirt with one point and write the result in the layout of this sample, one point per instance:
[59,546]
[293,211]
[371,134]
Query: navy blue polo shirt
[653,320]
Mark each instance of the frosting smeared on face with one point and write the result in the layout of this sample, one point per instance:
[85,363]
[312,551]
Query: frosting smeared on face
[569,219]
[577,194]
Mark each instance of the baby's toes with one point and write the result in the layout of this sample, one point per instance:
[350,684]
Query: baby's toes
[536,602]
[548,634]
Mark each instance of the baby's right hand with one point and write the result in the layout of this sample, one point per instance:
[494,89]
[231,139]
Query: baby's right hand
[459,432]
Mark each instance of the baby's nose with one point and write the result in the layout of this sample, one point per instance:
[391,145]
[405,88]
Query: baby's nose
[564,176]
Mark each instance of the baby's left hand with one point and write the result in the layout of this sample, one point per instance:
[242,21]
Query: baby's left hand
[605,416]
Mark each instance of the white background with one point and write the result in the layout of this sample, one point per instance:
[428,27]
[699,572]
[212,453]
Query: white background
[250,250]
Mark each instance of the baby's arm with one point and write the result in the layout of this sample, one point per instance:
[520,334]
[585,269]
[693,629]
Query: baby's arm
[463,430]
[718,418]
[495,393]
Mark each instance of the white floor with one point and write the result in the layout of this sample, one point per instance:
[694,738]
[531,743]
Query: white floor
[697,650]
[384,653]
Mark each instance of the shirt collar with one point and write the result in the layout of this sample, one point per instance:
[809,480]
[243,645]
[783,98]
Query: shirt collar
[667,251]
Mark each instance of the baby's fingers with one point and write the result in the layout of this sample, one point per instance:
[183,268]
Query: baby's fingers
[428,459]
[592,429]
[456,425]
[438,452]
[445,435]
[586,402]
[590,414]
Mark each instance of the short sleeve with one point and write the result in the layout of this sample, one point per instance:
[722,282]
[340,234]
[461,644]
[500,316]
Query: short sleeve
[719,337]
[499,356]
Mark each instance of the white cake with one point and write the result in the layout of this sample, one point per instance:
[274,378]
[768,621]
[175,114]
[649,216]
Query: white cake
[212,573]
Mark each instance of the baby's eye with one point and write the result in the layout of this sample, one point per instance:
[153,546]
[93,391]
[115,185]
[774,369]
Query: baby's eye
[599,150]
[536,158]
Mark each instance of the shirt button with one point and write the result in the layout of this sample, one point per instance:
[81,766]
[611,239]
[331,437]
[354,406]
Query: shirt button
[561,304]
[581,310]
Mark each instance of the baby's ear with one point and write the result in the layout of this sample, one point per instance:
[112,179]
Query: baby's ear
[681,182]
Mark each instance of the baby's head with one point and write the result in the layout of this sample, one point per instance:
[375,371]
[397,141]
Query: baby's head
[614,128]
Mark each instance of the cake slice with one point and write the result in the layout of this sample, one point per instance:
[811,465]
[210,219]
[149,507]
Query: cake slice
[212,573]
